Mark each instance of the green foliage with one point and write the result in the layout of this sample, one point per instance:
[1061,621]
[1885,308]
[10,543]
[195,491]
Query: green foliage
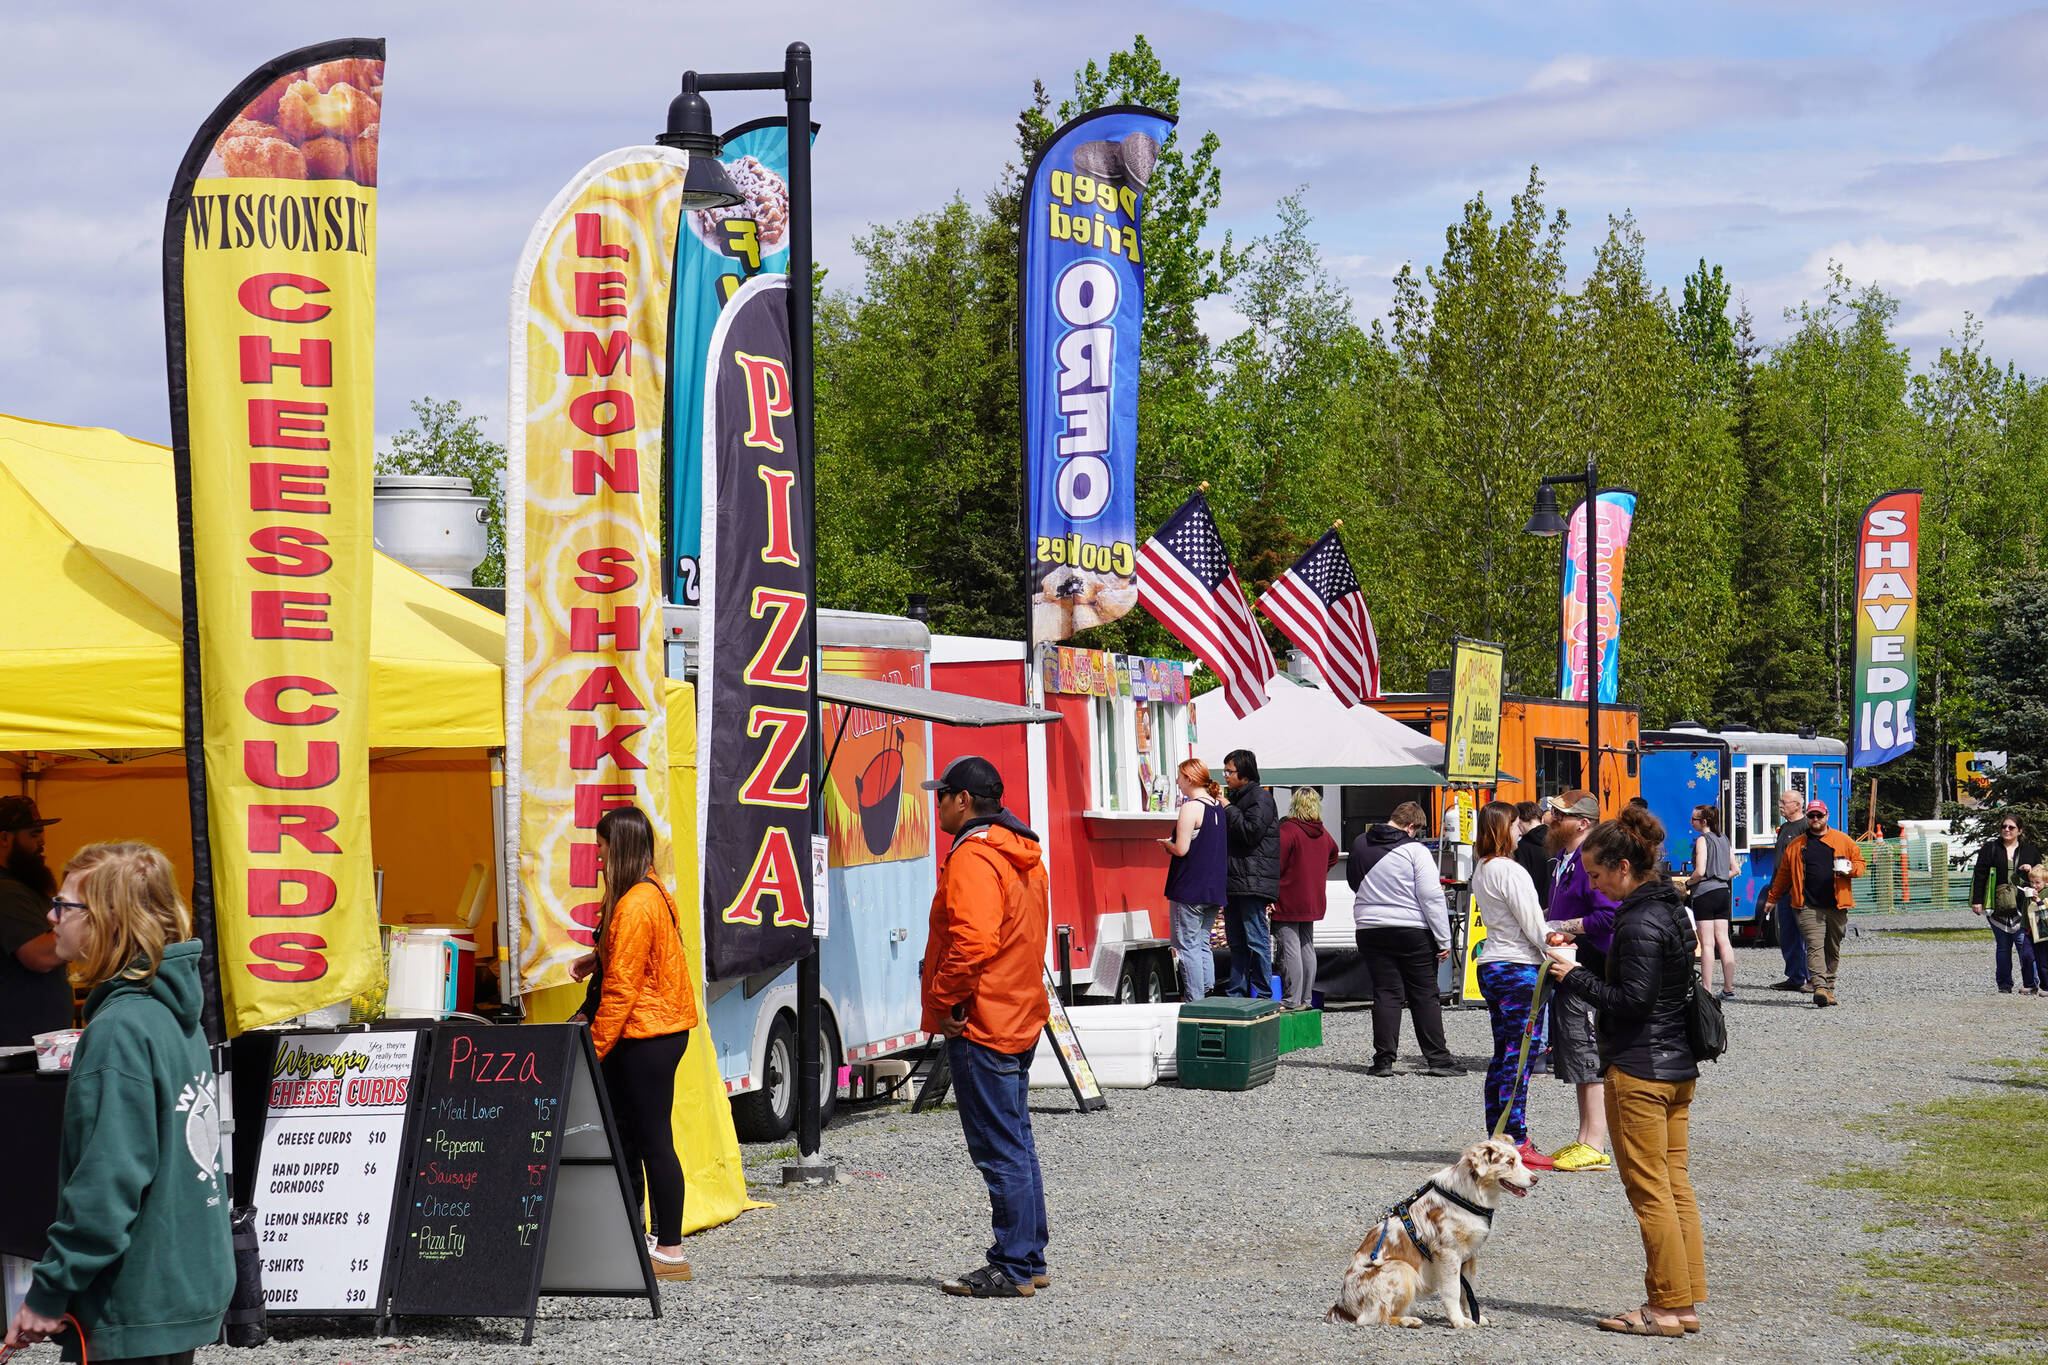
[917,438]
[2009,691]
[443,441]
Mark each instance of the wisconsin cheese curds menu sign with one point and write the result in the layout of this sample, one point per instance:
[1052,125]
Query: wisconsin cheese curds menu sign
[270,310]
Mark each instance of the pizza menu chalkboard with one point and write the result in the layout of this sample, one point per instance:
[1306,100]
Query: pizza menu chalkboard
[482,1167]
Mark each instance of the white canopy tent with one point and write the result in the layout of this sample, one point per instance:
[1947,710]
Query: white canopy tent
[1304,736]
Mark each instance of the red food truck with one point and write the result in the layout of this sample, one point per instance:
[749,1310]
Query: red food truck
[1098,788]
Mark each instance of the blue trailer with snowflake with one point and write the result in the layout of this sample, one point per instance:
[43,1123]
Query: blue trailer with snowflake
[1741,773]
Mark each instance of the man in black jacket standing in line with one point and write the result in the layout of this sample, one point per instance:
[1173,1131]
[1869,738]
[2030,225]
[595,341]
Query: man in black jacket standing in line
[1532,847]
[1252,883]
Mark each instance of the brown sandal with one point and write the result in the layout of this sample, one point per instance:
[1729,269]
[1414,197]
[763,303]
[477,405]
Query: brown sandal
[1633,1323]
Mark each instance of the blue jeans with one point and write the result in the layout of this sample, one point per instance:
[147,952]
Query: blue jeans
[2018,939]
[991,1087]
[1251,946]
[1792,943]
[1191,925]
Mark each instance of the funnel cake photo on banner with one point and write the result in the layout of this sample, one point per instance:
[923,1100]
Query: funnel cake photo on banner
[317,124]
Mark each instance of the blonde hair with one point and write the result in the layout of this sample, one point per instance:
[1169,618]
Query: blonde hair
[132,910]
[1306,805]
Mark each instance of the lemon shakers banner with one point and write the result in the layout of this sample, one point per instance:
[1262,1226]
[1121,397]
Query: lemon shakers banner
[717,251]
[1887,628]
[758,670]
[1081,308]
[585,727]
[269,316]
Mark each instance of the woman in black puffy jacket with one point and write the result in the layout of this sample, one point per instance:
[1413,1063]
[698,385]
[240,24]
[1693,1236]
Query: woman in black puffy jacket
[1647,1063]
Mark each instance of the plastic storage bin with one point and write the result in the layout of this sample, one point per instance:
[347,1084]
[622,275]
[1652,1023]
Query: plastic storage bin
[1228,1043]
[1300,1029]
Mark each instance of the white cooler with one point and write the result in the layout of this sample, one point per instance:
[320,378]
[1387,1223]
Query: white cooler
[1129,1046]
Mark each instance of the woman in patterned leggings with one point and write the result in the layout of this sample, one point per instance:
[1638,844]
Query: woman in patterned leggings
[1510,964]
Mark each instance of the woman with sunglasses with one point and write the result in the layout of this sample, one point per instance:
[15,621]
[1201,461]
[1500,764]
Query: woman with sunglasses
[139,1255]
[2002,868]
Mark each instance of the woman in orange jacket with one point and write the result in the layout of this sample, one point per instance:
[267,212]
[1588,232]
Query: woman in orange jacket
[641,1008]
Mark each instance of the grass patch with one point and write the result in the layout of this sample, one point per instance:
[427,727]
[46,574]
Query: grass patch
[1941,935]
[1975,1171]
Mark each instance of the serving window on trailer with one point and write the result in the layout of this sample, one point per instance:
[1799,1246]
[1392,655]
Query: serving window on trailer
[1135,747]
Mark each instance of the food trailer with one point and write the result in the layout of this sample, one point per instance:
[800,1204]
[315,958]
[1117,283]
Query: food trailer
[878,721]
[1097,785]
[1542,745]
[1743,772]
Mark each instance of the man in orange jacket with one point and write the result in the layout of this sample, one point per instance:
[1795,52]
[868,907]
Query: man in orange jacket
[1814,872]
[984,993]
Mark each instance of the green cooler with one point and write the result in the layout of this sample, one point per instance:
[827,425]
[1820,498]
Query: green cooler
[1228,1043]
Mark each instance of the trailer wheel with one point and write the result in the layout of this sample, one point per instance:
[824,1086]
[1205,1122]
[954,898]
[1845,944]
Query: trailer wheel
[1143,981]
[829,1063]
[768,1113]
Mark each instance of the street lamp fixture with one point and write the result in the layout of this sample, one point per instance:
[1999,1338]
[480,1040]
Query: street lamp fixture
[705,183]
[1544,521]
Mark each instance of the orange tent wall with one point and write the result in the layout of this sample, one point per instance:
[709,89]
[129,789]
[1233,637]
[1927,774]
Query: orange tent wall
[430,820]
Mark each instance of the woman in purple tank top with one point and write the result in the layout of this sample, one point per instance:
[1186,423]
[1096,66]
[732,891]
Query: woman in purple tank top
[1195,877]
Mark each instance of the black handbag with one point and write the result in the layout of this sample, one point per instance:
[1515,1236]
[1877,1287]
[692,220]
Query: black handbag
[1706,1028]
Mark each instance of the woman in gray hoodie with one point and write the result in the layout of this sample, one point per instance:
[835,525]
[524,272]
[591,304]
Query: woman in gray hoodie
[1404,930]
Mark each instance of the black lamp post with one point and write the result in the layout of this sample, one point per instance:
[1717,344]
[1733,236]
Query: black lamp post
[690,128]
[1545,521]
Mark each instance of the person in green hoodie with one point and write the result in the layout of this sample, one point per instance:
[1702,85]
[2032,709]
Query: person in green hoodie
[140,1253]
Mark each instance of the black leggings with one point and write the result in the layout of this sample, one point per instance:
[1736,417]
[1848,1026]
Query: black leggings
[640,1077]
[1403,967]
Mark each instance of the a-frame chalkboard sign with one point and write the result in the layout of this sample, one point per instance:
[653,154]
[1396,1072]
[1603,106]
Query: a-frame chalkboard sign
[516,1187]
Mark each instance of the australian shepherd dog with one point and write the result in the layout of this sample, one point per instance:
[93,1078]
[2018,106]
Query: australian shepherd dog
[1451,1215]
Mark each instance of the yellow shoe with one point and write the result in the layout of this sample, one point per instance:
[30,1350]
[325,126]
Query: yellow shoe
[1578,1156]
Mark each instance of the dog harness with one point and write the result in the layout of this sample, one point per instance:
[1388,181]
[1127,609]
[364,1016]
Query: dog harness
[1400,1211]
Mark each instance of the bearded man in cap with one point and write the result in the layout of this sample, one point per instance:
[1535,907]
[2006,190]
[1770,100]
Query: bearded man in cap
[984,993]
[35,991]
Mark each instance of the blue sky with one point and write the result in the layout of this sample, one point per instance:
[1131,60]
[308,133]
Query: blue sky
[1903,140]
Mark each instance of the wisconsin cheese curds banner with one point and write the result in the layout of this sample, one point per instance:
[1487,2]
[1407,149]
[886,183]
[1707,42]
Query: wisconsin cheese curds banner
[1617,516]
[1081,306]
[269,318]
[586,730]
[1887,628]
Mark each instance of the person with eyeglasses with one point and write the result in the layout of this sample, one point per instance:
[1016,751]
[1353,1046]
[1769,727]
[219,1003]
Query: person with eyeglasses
[140,1253]
[35,996]
[2002,871]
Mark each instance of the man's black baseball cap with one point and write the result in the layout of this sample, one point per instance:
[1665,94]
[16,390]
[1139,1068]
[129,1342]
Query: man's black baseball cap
[972,774]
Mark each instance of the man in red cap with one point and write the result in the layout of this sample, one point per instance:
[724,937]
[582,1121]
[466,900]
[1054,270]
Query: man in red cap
[35,991]
[1814,873]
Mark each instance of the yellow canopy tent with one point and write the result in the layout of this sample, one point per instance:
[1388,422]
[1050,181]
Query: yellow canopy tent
[91,714]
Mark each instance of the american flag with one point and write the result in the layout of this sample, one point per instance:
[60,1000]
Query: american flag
[1318,605]
[1185,579]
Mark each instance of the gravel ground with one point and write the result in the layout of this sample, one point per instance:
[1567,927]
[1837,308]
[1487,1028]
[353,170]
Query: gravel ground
[1193,1224]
